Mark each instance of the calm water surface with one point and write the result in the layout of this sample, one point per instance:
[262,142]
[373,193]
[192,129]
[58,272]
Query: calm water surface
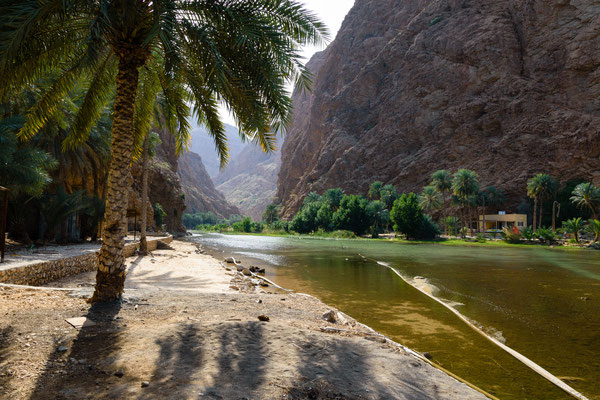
[542,302]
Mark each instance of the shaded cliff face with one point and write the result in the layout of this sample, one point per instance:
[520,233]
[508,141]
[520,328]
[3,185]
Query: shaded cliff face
[250,180]
[200,192]
[164,186]
[507,88]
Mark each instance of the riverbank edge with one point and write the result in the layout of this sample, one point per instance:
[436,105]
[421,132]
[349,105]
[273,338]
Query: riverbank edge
[442,242]
[332,333]
[369,331]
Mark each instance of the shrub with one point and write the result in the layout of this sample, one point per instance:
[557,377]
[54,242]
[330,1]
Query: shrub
[256,227]
[407,215]
[511,235]
[324,217]
[159,215]
[594,228]
[546,235]
[480,238]
[428,230]
[527,233]
[573,226]
[304,220]
[352,214]
[342,234]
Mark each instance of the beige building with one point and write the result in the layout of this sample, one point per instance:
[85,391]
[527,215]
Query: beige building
[501,220]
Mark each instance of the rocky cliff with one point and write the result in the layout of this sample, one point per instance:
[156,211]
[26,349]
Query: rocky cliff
[250,180]
[508,88]
[164,186]
[200,192]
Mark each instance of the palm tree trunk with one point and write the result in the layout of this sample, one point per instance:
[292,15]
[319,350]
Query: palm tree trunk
[483,228]
[143,241]
[534,213]
[594,215]
[540,221]
[110,278]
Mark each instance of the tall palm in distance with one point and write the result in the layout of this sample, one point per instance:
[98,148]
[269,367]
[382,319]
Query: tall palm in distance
[234,51]
[541,187]
[441,181]
[465,185]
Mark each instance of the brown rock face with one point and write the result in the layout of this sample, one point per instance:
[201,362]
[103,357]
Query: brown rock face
[200,192]
[508,88]
[164,186]
[250,180]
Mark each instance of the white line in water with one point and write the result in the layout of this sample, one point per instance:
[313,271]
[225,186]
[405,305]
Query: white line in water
[535,367]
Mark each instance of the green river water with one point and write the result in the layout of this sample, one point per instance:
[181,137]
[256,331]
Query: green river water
[544,303]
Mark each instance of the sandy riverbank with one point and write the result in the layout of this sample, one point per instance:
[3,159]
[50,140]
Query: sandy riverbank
[186,334]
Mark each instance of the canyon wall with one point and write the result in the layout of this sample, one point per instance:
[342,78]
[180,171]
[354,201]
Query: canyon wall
[199,189]
[508,88]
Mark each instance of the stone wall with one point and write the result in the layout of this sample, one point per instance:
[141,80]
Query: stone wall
[44,272]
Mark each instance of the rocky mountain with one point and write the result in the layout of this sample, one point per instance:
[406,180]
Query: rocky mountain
[250,180]
[508,88]
[164,186]
[200,192]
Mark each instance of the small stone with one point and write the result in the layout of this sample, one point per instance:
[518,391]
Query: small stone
[119,373]
[264,284]
[230,260]
[259,301]
[329,316]
[145,384]
[234,287]
[246,272]
[27,345]
[427,356]
[263,318]
[62,349]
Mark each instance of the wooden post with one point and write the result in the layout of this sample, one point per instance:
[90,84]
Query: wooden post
[3,226]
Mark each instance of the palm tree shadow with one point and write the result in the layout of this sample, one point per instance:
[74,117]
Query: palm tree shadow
[236,363]
[95,346]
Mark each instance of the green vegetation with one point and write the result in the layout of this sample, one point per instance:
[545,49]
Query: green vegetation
[159,215]
[192,55]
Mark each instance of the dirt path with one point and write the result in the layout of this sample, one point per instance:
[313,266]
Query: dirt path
[203,340]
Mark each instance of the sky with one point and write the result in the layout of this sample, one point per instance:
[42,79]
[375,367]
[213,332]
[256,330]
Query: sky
[332,13]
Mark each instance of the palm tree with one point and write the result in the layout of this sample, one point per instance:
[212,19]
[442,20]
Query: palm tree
[594,228]
[389,195]
[533,188]
[586,195]
[441,180]
[574,226]
[375,190]
[430,199]
[465,185]
[271,213]
[234,51]
[548,187]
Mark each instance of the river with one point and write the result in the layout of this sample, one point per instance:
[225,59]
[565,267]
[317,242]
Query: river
[542,302]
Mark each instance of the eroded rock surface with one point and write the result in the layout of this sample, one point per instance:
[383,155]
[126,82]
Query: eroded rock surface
[508,88]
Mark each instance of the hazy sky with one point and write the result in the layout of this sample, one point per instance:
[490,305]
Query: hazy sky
[332,12]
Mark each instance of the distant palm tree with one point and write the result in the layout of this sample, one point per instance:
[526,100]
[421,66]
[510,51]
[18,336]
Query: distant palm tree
[586,195]
[441,181]
[430,199]
[234,51]
[534,187]
[547,189]
[271,214]
[375,190]
[389,195]
[465,185]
